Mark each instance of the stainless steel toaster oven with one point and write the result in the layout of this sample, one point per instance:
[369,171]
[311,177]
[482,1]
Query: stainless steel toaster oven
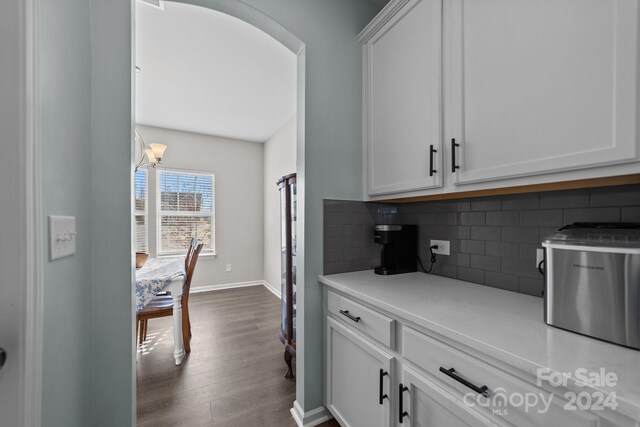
[592,281]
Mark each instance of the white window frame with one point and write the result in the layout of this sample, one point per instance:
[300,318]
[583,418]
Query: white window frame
[144,213]
[159,213]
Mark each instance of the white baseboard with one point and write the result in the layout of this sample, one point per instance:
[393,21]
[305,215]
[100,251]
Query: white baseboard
[210,288]
[273,289]
[311,418]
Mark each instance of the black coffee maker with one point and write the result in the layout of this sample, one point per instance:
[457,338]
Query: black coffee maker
[399,248]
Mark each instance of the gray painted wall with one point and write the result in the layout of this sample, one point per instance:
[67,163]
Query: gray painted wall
[112,362]
[493,239]
[89,368]
[331,162]
[65,103]
[330,159]
[279,160]
[85,102]
[239,229]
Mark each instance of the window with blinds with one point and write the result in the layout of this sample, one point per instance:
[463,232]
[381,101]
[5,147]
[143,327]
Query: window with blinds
[185,209]
[141,209]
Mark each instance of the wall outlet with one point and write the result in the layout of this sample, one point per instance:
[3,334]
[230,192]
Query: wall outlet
[539,256]
[443,247]
[228,268]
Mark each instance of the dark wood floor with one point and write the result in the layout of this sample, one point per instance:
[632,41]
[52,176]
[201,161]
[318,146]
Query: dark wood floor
[234,375]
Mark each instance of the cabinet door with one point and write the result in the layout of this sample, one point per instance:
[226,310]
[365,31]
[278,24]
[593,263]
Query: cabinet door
[402,91]
[353,379]
[540,86]
[427,405]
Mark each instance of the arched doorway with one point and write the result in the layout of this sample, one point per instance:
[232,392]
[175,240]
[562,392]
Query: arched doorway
[272,28]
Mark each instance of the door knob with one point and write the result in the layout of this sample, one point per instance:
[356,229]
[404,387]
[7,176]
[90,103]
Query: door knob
[3,357]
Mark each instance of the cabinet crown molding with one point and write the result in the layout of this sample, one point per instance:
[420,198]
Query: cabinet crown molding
[388,12]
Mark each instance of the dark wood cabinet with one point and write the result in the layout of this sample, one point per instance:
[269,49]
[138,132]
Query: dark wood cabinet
[287,186]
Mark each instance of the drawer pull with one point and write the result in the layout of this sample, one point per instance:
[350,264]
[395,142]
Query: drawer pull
[484,390]
[346,313]
[402,413]
[381,395]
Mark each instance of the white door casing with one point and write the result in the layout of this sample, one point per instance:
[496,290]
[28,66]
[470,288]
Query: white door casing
[535,87]
[20,228]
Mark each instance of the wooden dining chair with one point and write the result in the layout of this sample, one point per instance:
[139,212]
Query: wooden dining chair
[162,305]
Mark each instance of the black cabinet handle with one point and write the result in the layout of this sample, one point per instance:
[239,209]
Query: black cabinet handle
[454,166]
[402,413]
[346,313]
[431,169]
[380,394]
[3,357]
[484,390]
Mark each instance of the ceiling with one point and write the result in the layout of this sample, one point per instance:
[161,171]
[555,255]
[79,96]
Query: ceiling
[206,72]
[381,3]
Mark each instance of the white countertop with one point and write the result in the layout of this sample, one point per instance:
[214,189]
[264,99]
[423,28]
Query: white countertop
[505,325]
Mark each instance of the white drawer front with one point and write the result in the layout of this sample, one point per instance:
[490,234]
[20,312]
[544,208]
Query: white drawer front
[377,326]
[507,395]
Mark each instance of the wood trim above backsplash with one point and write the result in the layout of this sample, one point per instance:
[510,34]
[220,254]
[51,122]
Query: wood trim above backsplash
[532,188]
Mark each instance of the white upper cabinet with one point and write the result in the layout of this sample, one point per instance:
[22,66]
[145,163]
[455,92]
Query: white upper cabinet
[531,91]
[402,66]
[538,86]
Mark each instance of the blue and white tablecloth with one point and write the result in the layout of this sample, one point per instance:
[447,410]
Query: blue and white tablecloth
[154,276]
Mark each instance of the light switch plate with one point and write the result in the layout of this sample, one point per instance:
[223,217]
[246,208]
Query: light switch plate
[62,236]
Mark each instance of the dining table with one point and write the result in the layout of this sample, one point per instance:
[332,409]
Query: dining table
[163,275]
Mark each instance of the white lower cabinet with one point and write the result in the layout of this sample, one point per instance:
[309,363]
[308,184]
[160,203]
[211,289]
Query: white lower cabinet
[358,374]
[425,404]
[476,384]
[429,380]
